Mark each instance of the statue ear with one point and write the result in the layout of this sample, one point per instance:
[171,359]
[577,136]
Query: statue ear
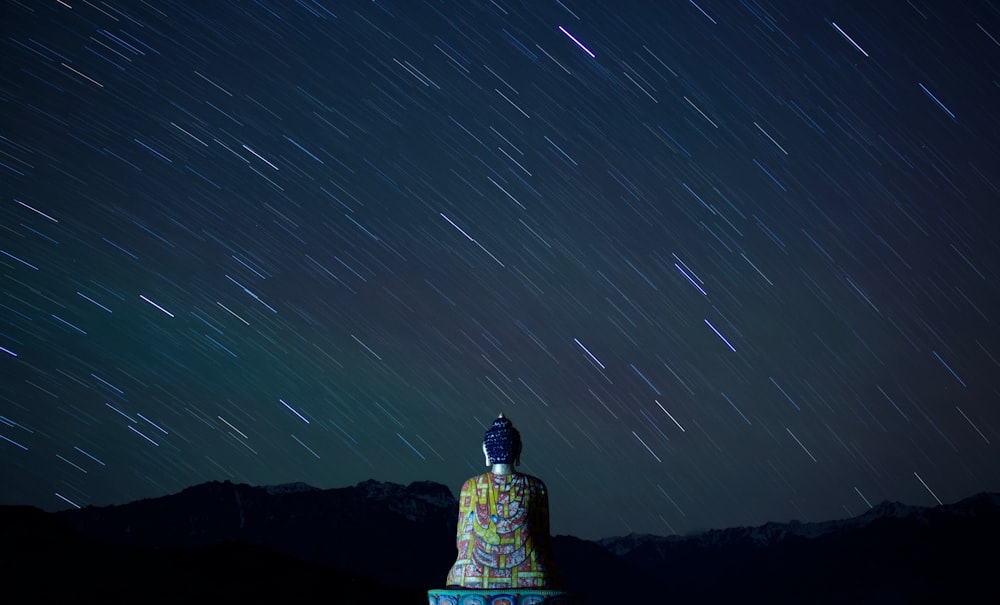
[486,456]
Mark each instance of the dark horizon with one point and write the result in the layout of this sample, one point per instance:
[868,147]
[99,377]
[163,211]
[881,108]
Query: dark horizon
[272,489]
[373,544]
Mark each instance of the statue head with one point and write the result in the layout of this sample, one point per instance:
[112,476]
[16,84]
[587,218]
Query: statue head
[502,443]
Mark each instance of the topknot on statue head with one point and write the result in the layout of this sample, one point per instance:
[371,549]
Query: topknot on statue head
[502,442]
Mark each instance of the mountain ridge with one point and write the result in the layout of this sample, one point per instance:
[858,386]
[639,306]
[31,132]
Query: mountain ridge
[766,533]
[437,494]
[383,538]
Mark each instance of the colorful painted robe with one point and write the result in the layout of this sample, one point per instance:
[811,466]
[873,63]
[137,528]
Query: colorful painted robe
[503,534]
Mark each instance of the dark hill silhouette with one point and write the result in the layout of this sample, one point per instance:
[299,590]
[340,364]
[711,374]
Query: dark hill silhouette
[387,543]
[46,560]
[406,528]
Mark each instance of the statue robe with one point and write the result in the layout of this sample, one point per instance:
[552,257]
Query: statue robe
[503,534]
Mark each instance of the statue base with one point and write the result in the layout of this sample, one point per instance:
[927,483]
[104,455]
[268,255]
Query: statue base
[497,596]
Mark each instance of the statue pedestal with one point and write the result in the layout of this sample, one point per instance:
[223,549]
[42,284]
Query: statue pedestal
[498,596]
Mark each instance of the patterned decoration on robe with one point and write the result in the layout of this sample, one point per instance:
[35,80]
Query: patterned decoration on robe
[503,534]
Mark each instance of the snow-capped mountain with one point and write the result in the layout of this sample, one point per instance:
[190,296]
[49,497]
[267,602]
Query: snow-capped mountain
[771,533]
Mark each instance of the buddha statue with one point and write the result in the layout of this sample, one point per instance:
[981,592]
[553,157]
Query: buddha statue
[503,524]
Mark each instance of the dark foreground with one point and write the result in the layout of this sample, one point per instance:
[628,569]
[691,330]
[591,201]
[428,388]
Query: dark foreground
[195,547]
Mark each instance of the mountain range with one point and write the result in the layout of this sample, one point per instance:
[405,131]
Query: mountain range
[387,543]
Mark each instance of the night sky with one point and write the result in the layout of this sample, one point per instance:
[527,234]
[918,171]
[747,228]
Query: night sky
[721,263]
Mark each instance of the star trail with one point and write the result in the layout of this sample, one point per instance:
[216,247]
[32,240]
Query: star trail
[721,263]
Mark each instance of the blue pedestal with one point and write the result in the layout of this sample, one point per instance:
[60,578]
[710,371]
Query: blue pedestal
[499,596]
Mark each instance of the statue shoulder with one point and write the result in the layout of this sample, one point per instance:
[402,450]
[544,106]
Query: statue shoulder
[472,482]
[534,482]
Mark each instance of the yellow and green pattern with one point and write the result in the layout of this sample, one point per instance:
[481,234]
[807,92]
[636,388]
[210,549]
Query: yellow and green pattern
[503,534]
